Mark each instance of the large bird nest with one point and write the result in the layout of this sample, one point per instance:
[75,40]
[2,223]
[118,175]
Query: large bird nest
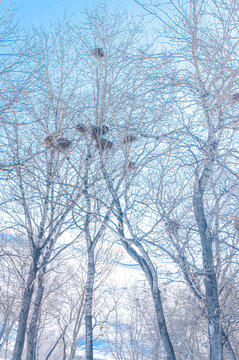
[104,144]
[98,53]
[63,144]
[55,141]
[97,131]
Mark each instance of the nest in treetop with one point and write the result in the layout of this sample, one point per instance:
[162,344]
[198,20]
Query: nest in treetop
[97,131]
[58,143]
[104,144]
[81,128]
[173,226]
[63,144]
[128,139]
[131,165]
[51,140]
[98,53]
[235,97]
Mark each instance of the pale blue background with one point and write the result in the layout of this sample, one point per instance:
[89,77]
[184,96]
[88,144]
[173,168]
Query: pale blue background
[46,12]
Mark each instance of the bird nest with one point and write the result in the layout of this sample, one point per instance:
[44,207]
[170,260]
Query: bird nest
[51,140]
[97,131]
[81,128]
[98,53]
[56,142]
[63,144]
[104,144]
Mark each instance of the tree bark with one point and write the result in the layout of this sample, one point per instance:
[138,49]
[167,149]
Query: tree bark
[210,281]
[33,330]
[25,308]
[88,305]
[151,275]
[197,293]
[162,323]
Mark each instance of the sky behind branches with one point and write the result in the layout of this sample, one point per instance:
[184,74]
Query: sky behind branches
[45,12]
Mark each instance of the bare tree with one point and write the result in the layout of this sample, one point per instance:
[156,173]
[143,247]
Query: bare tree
[116,118]
[116,70]
[205,43]
[41,173]
[100,146]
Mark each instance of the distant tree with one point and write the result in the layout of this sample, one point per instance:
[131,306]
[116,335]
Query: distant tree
[131,330]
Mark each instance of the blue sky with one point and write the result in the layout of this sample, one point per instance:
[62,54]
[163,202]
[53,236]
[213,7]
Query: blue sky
[45,12]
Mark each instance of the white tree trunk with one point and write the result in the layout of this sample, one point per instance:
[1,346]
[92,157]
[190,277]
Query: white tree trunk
[88,305]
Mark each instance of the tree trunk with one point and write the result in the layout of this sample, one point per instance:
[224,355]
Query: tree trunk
[148,268]
[33,330]
[88,305]
[197,293]
[162,323]
[24,312]
[210,281]
[151,274]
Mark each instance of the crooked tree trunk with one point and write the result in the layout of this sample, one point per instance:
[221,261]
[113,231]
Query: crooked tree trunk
[210,281]
[33,326]
[148,268]
[25,308]
[162,323]
[151,275]
[88,305]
